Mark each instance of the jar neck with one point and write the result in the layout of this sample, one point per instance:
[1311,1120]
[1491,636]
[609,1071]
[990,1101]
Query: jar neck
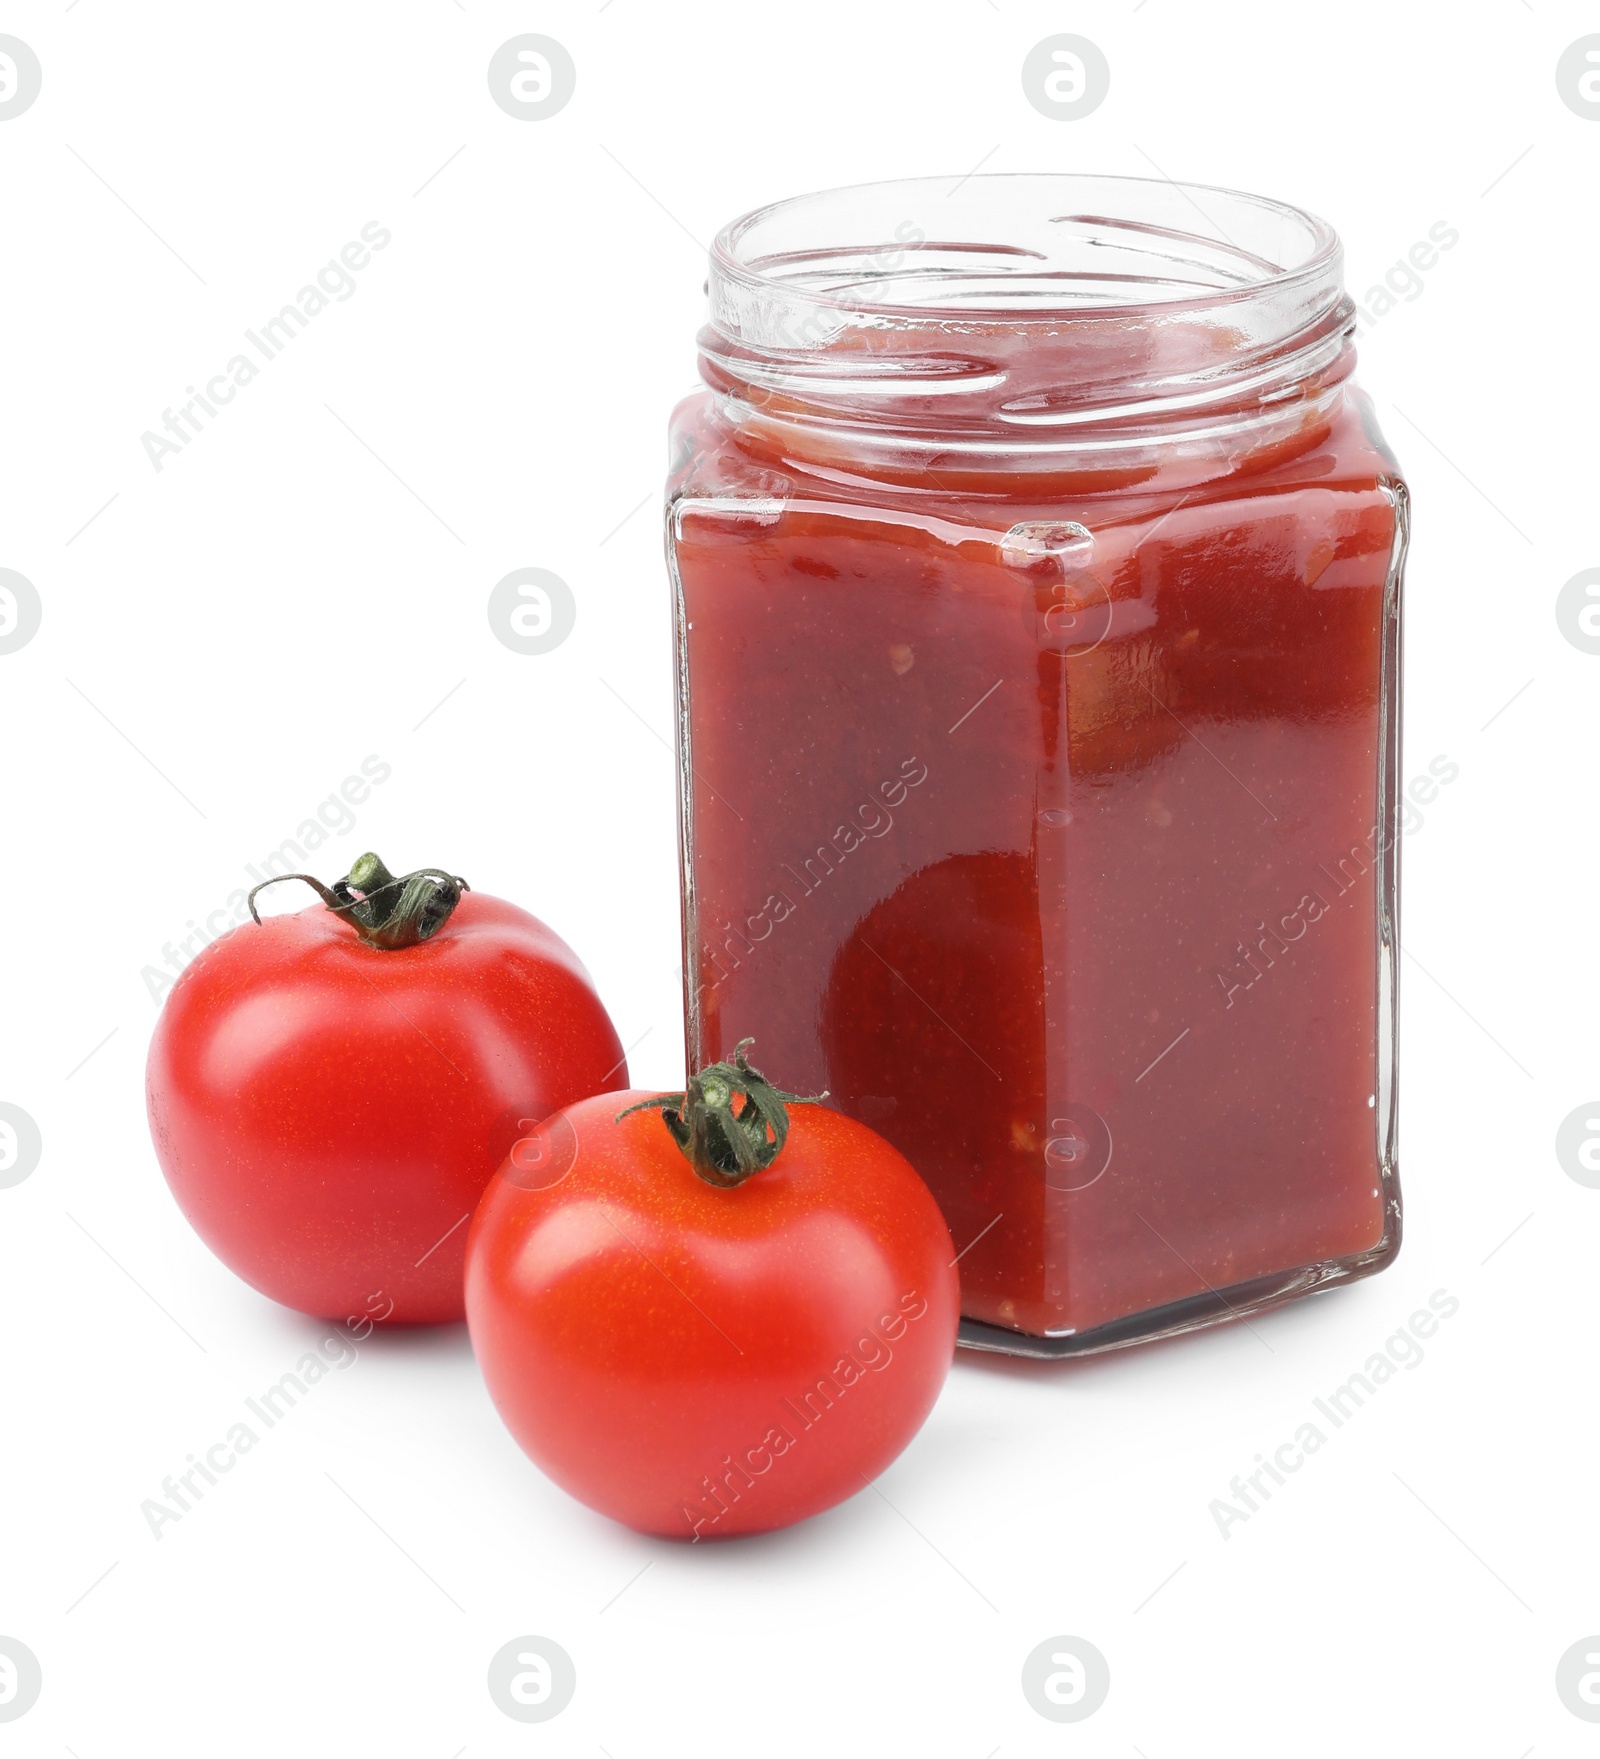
[1109,326]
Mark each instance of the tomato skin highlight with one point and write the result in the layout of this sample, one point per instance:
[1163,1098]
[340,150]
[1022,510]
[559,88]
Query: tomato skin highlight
[697,1362]
[326,1112]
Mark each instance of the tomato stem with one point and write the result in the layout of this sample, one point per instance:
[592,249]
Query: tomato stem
[726,1144]
[387,912]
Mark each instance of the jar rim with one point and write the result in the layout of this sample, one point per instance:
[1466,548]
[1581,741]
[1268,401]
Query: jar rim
[1085,294]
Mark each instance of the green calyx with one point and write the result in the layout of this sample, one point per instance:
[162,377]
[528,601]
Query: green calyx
[731,1123]
[387,912]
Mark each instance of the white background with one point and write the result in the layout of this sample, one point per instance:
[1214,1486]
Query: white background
[229,637]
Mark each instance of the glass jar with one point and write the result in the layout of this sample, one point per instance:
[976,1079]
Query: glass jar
[1037,589]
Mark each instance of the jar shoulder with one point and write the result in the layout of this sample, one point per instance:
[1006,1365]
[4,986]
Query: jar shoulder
[1343,450]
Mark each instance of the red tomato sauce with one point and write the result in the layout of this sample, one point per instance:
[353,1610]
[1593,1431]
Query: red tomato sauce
[1057,859]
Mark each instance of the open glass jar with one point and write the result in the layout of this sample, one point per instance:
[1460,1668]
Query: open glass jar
[1037,574]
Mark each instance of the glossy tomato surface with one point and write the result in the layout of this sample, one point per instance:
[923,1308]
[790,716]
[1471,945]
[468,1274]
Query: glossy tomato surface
[700,1362]
[328,1113]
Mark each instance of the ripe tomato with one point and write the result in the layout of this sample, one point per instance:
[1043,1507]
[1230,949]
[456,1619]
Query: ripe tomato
[330,1091]
[701,1350]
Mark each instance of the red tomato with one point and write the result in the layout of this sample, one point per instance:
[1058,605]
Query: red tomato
[328,1111]
[701,1360]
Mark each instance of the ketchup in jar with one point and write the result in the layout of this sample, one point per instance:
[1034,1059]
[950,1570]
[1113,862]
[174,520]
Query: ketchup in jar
[1037,584]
